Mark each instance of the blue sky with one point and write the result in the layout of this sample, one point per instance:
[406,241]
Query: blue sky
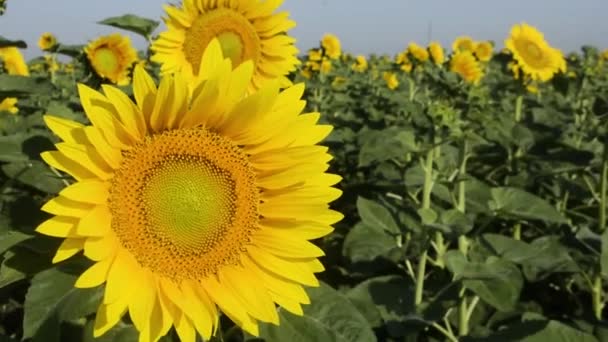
[381,26]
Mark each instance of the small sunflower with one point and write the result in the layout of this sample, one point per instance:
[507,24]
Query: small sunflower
[194,199]
[360,64]
[47,41]
[391,80]
[332,46]
[464,64]
[9,105]
[402,58]
[483,51]
[326,66]
[112,57]
[407,67]
[13,61]
[247,30]
[536,58]
[315,55]
[463,43]
[418,52]
[436,52]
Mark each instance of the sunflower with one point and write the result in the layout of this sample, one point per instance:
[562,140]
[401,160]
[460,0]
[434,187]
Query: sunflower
[47,41]
[483,51]
[197,198]
[391,80]
[360,64]
[9,105]
[464,64]
[418,52]
[536,58]
[463,43]
[402,58]
[13,61]
[315,55]
[326,66]
[247,30]
[436,52]
[111,57]
[331,45]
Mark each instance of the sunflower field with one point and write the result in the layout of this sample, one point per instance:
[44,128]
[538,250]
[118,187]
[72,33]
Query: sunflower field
[222,185]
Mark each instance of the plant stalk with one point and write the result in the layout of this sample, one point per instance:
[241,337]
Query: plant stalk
[426,204]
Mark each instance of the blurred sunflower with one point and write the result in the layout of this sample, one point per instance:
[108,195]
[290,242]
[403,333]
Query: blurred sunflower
[436,52]
[391,80]
[418,52]
[463,43]
[604,55]
[9,105]
[47,41]
[192,204]
[13,61]
[360,64]
[536,58]
[338,82]
[315,55]
[247,30]
[401,58]
[112,57]
[483,51]
[326,66]
[332,46]
[464,64]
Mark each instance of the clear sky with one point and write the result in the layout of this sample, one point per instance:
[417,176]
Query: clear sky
[364,26]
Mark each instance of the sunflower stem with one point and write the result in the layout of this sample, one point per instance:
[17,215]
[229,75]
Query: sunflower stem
[426,204]
[463,243]
[518,105]
[596,293]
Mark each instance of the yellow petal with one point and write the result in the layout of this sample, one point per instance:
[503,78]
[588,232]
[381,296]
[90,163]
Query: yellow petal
[144,90]
[282,243]
[143,300]
[119,283]
[98,222]
[128,113]
[199,312]
[110,155]
[62,127]
[87,191]
[99,248]
[59,161]
[63,206]
[95,275]
[88,158]
[108,315]
[68,248]
[282,267]
[58,226]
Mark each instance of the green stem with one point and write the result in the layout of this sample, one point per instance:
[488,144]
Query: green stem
[426,204]
[518,104]
[411,88]
[463,321]
[596,292]
[603,190]
[420,278]
[463,243]
[517,231]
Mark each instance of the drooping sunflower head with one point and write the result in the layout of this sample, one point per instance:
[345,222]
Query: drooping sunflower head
[391,80]
[464,64]
[463,43]
[246,30]
[112,57]
[9,105]
[192,202]
[536,58]
[360,64]
[47,41]
[483,51]
[13,61]
[418,52]
[436,52]
[331,45]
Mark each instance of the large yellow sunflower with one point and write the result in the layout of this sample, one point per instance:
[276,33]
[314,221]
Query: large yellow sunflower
[464,64]
[194,199]
[536,58]
[112,57]
[332,46]
[13,61]
[247,30]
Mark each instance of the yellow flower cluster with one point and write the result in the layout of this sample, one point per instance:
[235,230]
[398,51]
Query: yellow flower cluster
[320,60]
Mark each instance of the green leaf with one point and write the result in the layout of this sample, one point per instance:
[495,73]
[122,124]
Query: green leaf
[12,85]
[19,263]
[73,51]
[510,249]
[538,330]
[4,42]
[552,257]
[498,282]
[388,299]
[522,204]
[330,317]
[52,296]
[9,237]
[376,216]
[35,174]
[132,23]
[427,215]
[363,243]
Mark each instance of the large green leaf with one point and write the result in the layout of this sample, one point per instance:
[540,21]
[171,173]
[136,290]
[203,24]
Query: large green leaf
[4,42]
[537,330]
[133,23]
[12,85]
[364,243]
[52,296]
[330,317]
[522,204]
[376,216]
[35,174]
